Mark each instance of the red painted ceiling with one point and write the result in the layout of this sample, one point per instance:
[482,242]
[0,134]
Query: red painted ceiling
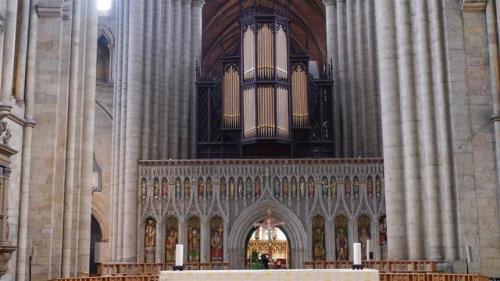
[221,28]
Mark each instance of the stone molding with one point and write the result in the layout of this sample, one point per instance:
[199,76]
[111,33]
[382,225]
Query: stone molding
[2,22]
[54,11]
[473,5]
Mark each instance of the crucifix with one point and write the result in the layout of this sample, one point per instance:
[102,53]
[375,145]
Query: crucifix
[269,224]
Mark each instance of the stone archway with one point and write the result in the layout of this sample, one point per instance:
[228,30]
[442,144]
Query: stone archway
[244,223]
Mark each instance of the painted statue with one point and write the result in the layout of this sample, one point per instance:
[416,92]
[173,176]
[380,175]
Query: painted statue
[302,187]
[341,245]
[200,187]
[258,188]
[150,234]
[156,188]
[378,186]
[383,237]
[170,245]
[276,188]
[319,252]
[194,244]
[356,186]
[187,188]
[324,187]
[347,187]
[223,187]
[294,187]
[231,188]
[333,187]
[210,187]
[369,187]
[164,188]
[310,187]
[363,237]
[216,250]
[285,188]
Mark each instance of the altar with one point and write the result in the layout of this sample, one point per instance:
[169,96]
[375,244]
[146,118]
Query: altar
[272,275]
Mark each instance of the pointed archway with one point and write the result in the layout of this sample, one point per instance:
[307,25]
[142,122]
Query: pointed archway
[299,248]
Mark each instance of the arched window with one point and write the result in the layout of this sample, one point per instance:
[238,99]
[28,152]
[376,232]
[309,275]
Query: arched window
[103,59]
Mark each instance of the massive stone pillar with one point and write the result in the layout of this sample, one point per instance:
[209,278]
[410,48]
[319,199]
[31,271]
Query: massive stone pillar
[7,64]
[159,44]
[72,135]
[22,252]
[88,114]
[409,129]
[134,92]
[391,131]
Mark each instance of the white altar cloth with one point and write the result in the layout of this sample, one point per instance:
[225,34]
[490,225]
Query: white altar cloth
[272,275]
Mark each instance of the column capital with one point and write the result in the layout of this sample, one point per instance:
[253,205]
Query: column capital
[200,3]
[473,5]
[330,2]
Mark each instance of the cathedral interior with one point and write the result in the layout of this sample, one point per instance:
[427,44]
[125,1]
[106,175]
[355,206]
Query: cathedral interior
[245,130]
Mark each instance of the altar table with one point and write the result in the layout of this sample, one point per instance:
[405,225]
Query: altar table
[272,275]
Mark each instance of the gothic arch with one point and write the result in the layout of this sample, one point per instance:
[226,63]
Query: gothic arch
[293,227]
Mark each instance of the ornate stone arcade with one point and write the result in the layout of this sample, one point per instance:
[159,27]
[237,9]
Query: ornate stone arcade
[325,198]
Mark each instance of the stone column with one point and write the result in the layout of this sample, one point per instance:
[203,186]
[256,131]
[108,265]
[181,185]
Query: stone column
[362,97]
[186,87]
[342,81]
[196,33]
[132,133]
[22,251]
[431,190]
[352,87]
[149,36]
[175,82]
[88,138]
[446,180]
[22,49]
[388,73]
[71,139]
[8,56]
[165,112]
[409,129]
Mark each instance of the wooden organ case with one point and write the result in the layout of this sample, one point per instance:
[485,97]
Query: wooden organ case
[264,103]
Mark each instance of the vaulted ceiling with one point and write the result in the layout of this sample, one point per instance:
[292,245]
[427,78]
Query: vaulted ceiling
[221,28]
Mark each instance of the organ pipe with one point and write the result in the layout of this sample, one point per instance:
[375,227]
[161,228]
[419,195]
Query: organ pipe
[231,97]
[300,114]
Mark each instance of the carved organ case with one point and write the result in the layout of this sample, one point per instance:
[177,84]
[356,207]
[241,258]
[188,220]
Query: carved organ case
[266,94]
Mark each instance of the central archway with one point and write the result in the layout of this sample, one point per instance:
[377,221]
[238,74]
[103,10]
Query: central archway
[258,241]
[294,229]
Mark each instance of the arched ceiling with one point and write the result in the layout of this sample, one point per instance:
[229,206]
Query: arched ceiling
[221,28]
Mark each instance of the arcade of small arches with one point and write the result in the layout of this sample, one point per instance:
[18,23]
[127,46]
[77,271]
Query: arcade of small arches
[325,210]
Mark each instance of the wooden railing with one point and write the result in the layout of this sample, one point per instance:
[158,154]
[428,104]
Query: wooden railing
[385,276]
[426,276]
[383,266]
[108,269]
[113,278]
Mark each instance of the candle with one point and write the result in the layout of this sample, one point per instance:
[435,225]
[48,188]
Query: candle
[368,249]
[179,252]
[357,253]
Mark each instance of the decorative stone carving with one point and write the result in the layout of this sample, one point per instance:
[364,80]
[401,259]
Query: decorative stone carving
[5,133]
[239,185]
[5,255]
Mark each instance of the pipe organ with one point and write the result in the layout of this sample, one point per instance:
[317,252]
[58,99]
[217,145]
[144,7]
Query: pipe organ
[270,104]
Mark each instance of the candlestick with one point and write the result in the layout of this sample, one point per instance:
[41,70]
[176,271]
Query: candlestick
[357,254]
[179,255]
[368,249]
